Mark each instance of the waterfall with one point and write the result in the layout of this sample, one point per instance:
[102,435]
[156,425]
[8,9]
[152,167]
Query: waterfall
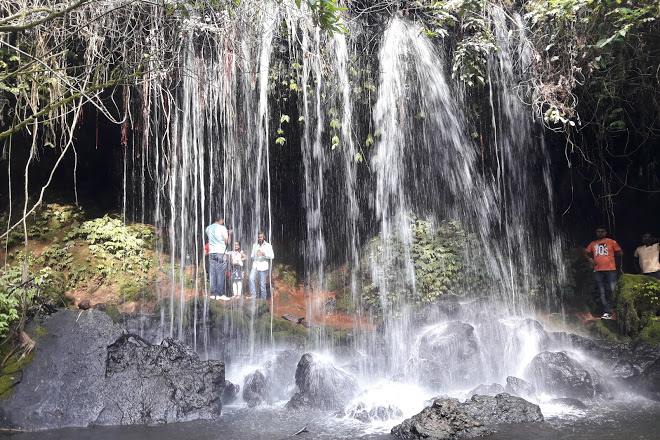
[382,142]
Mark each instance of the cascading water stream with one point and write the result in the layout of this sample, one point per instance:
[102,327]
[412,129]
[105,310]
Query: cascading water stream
[215,136]
[216,155]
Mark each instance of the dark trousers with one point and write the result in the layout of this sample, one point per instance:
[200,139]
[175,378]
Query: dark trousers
[217,273]
[603,278]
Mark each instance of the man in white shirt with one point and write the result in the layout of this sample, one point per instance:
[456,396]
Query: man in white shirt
[262,253]
[219,238]
[648,256]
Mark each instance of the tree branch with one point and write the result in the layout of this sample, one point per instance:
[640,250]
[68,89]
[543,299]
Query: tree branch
[53,15]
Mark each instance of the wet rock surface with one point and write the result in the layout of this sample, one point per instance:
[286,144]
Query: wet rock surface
[257,389]
[519,387]
[448,354]
[503,408]
[560,375]
[321,385]
[648,382]
[450,419]
[230,392]
[87,372]
[445,419]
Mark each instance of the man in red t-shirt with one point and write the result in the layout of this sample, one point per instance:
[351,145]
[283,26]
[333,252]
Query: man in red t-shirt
[601,253]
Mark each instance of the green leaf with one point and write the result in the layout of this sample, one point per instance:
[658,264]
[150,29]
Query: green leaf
[280,140]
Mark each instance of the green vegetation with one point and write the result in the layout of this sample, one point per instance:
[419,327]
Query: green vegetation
[67,252]
[637,303]
[438,254]
[345,303]
[286,275]
[607,330]
[470,27]
[650,335]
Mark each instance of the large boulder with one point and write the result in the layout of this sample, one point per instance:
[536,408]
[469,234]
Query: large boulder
[447,354]
[560,375]
[87,372]
[450,419]
[321,385]
[257,389]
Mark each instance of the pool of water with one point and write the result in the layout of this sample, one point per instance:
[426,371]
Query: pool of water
[632,420]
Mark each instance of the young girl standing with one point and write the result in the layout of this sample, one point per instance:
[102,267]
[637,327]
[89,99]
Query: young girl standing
[236,259]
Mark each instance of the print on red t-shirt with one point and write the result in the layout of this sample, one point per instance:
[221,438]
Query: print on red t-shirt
[603,252]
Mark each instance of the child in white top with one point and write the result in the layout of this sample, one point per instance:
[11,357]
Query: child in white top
[236,259]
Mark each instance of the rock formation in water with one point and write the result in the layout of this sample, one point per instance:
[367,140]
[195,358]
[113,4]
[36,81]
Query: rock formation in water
[450,419]
[447,355]
[321,385]
[561,375]
[257,389]
[86,371]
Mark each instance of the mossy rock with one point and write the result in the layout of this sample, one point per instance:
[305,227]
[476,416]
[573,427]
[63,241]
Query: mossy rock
[113,313]
[283,330]
[650,335]
[637,302]
[12,370]
[607,330]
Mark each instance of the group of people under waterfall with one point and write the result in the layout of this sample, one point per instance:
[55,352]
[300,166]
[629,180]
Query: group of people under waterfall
[602,252]
[229,264]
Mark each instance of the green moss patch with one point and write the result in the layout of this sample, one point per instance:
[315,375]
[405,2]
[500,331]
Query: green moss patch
[12,371]
[637,302]
[283,330]
[650,335]
[607,330]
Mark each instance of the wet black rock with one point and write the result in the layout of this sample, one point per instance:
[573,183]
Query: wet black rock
[445,419]
[257,389]
[86,372]
[321,385]
[447,354]
[487,390]
[519,387]
[450,419]
[648,382]
[502,408]
[560,375]
[624,369]
[230,392]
